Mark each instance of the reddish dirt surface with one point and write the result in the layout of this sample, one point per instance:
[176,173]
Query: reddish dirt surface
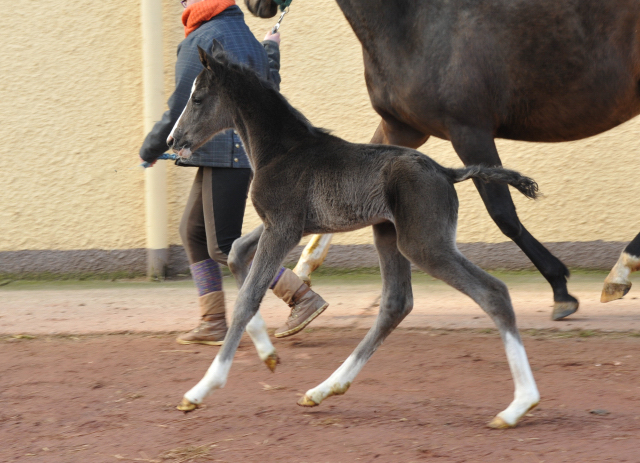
[425,395]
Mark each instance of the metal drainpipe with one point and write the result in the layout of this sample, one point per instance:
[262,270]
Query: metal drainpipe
[156,176]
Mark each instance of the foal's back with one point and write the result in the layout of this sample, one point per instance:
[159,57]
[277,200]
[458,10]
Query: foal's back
[349,186]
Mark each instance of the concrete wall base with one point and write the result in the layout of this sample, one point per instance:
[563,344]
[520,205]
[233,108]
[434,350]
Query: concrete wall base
[600,255]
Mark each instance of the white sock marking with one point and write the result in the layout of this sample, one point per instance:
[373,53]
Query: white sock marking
[526,392]
[257,330]
[312,256]
[338,381]
[620,272]
[215,378]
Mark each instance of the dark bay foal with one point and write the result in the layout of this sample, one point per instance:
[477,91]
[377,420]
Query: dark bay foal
[308,181]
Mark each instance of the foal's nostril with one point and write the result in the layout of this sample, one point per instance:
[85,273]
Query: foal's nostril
[170,141]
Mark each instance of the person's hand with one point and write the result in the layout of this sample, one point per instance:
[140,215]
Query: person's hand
[273,37]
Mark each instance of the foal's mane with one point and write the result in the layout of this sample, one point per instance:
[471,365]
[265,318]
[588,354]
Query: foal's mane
[253,78]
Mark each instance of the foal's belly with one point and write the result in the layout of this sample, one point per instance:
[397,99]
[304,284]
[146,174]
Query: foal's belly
[336,217]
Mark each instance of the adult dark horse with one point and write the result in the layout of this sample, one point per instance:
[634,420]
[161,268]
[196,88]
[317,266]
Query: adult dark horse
[471,71]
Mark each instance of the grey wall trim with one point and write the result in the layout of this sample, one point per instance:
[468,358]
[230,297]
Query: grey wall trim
[589,255]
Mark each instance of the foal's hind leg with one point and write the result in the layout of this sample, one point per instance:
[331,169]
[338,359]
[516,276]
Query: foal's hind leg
[273,247]
[442,260]
[478,147]
[396,303]
[242,252]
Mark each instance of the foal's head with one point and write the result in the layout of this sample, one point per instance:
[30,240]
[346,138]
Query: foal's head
[205,114]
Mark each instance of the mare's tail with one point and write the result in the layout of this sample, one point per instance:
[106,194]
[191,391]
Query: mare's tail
[525,185]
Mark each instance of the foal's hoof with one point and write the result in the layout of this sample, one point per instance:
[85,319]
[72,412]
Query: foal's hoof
[306,401]
[563,309]
[499,423]
[186,405]
[613,291]
[272,361]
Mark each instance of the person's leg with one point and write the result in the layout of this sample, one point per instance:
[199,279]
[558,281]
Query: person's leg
[206,272]
[224,213]
[305,304]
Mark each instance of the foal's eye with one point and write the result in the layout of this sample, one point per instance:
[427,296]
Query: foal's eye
[196,101]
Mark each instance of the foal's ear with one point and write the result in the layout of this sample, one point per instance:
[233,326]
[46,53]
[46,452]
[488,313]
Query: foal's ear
[217,51]
[204,58]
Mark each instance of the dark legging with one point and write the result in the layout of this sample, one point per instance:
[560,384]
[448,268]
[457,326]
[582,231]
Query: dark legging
[212,219]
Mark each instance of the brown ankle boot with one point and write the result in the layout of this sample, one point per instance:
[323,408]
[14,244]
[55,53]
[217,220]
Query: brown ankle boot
[305,304]
[213,327]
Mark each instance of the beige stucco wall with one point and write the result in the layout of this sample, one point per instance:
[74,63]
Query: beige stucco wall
[71,123]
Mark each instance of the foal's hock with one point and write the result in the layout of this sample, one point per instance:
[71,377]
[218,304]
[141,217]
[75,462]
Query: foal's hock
[308,181]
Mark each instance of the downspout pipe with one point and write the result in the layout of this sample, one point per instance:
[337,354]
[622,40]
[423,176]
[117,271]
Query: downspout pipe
[157,222]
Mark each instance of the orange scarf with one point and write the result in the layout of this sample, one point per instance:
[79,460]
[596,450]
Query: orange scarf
[201,12]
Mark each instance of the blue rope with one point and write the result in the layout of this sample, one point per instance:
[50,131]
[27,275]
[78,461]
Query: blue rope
[167,156]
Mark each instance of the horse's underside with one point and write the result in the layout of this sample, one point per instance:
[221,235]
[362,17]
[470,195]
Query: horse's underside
[468,72]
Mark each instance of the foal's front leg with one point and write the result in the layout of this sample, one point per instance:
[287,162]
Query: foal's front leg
[273,247]
[240,257]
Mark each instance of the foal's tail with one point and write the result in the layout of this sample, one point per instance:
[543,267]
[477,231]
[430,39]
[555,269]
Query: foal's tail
[525,185]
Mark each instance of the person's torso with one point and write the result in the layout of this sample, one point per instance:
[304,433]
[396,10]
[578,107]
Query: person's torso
[228,28]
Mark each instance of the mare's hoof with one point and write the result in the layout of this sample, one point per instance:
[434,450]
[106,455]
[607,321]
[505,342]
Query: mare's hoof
[613,291]
[186,405]
[563,309]
[306,401]
[272,361]
[499,423]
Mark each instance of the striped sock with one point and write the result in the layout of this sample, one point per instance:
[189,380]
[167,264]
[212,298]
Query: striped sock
[207,276]
[278,275]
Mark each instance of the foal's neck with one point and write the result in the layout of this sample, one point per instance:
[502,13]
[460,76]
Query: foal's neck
[264,121]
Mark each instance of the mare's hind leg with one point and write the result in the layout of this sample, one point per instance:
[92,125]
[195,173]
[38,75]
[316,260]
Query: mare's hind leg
[617,283]
[396,303]
[273,247]
[312,256]
[478,147]
[442,260]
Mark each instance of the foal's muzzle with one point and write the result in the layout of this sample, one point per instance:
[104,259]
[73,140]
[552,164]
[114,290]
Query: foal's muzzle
[184,152]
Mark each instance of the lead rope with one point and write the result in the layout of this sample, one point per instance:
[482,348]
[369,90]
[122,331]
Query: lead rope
[167,156]
[285,10]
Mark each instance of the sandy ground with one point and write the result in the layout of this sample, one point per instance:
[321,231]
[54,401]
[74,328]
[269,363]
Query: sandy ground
[107,307]
[424,396]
